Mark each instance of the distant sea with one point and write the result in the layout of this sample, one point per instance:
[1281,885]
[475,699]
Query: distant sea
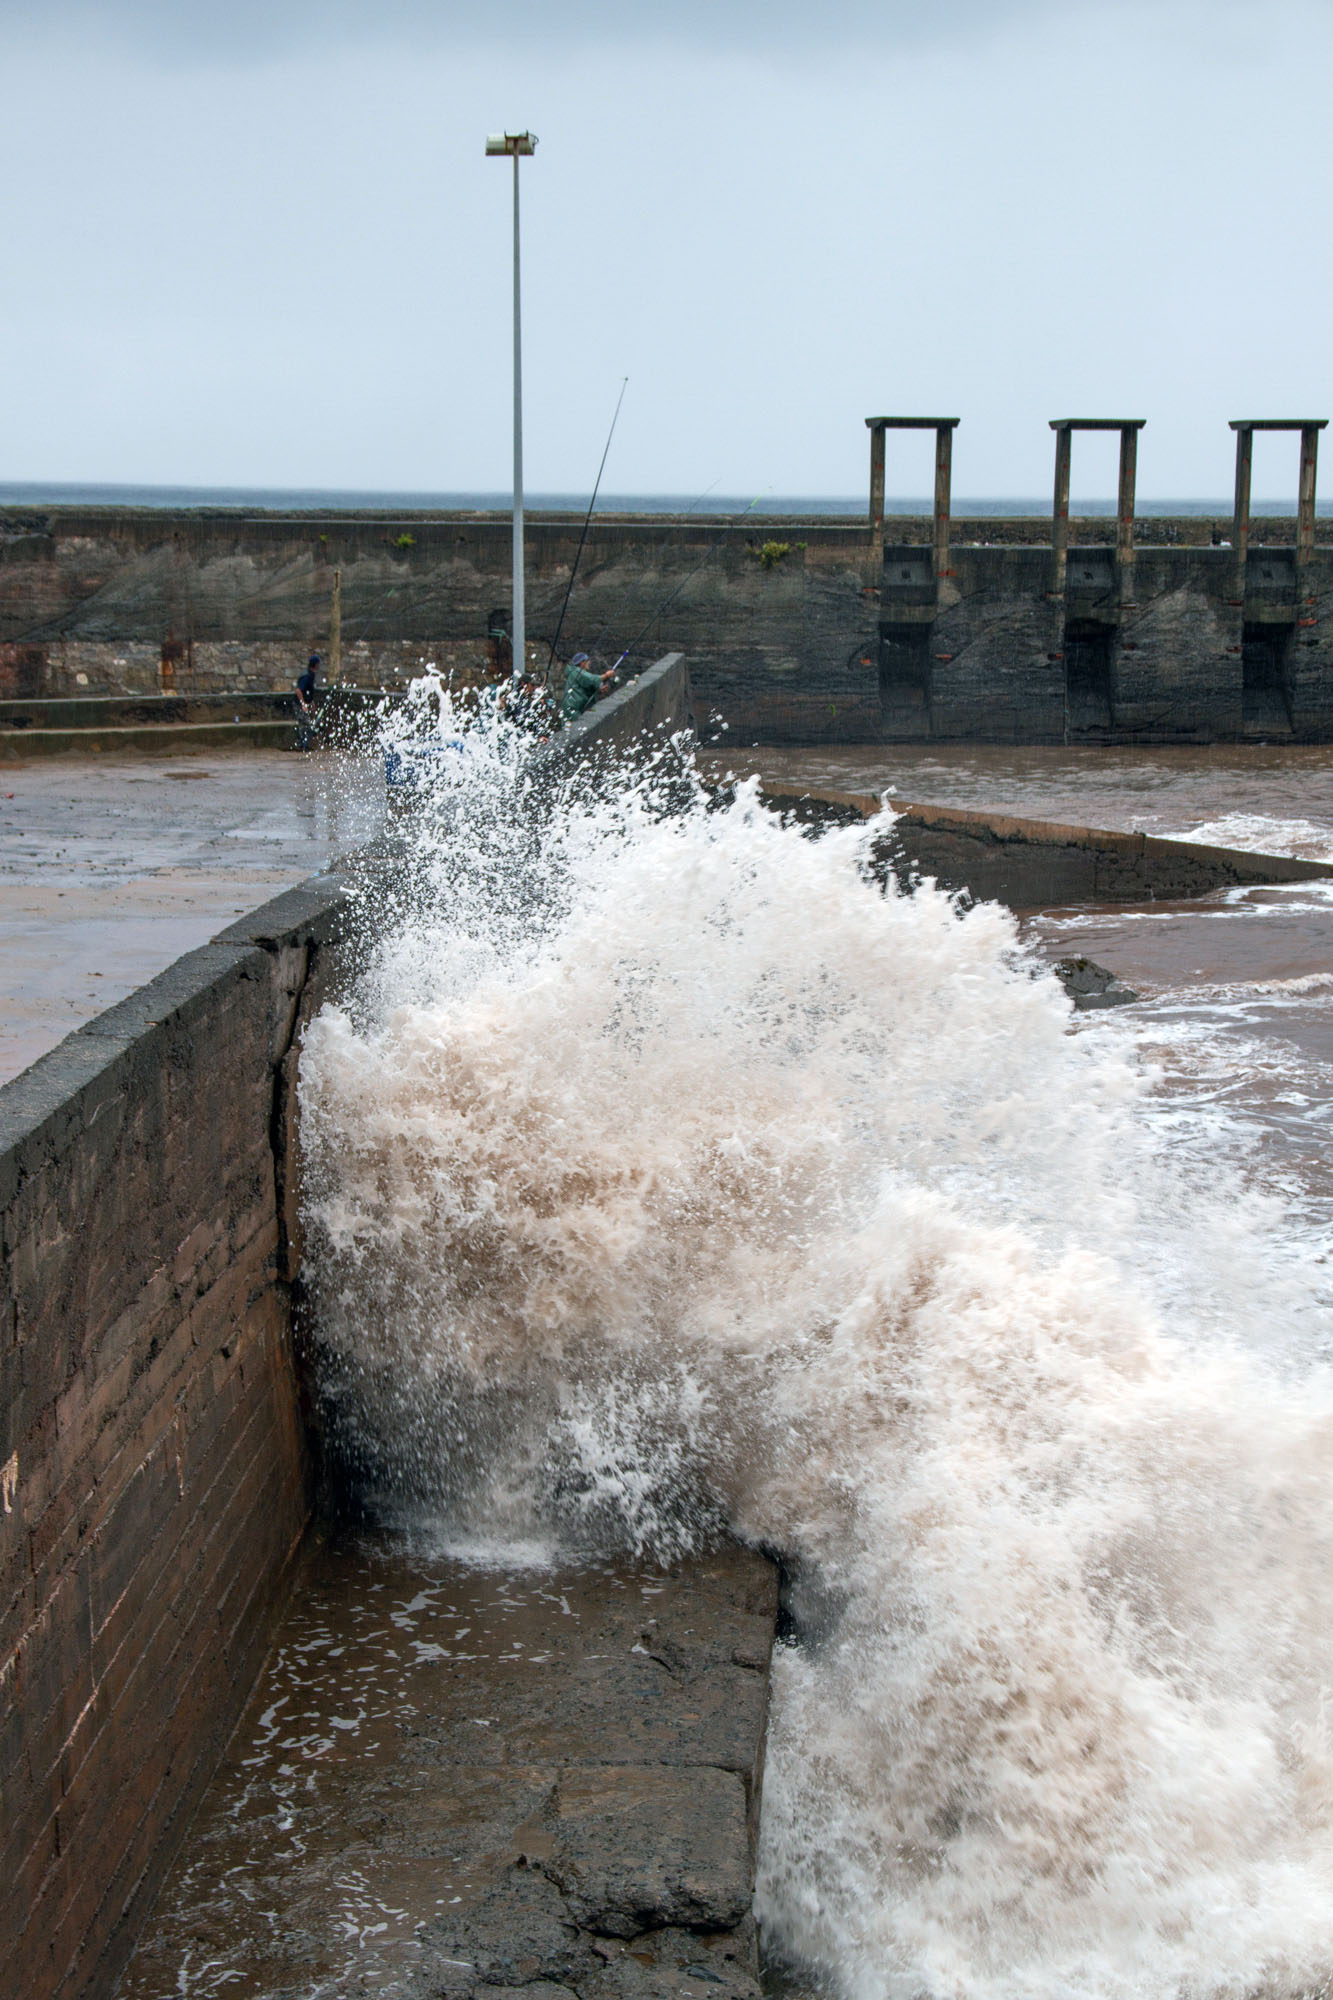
[308,499]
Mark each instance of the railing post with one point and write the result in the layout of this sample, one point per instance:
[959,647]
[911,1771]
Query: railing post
[1240,524]
[1129,456]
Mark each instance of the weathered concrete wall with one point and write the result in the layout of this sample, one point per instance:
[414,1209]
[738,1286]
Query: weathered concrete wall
[86,725]
[153,1464]
[145,710]
[1031,864]
[820,644]
[1034,864]
[238,602]
[819,640]
[156,1479]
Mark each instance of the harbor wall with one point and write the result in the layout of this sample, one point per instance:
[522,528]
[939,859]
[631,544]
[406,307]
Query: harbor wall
[156,1471]
[796,631]
[1033,864]
[156,1474]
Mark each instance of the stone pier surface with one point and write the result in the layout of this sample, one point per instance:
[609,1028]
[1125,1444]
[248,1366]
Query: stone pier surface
[463,1781]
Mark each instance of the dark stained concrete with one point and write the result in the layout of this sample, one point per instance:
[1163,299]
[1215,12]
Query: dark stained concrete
[156,1477]
[932,630]
[459,1781]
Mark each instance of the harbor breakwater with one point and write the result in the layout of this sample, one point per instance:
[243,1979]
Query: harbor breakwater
[797,631]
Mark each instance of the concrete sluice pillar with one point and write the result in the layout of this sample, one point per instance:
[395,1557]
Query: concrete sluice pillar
[1273,587]
[1096,586]
[909,580]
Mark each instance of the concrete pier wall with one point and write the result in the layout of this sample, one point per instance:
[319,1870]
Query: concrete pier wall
[155,1478]
[795,631]
[1034,864]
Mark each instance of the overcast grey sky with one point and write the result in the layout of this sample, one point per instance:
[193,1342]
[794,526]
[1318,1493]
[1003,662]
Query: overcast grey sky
[258,242]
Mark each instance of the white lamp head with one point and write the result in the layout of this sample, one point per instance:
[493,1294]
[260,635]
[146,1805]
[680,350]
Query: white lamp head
[504,145]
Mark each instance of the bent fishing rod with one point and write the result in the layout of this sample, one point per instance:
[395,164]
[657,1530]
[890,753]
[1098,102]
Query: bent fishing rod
[587,520]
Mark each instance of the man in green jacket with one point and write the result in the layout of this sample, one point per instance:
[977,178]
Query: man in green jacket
[582,688]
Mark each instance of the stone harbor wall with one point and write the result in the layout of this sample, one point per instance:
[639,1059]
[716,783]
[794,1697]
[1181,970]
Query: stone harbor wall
[1036,864]
[156,1479]
[807,632]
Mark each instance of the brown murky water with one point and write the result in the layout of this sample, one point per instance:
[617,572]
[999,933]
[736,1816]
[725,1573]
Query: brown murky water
[1274,799]
[368,1777]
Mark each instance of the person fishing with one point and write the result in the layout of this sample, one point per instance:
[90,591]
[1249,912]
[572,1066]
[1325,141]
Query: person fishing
[528,708]
[582,687]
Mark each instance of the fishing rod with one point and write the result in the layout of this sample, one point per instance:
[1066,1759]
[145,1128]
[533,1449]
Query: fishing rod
[587,519]
[673,595]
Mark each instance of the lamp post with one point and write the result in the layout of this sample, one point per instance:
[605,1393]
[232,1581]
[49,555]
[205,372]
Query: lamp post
[514,146]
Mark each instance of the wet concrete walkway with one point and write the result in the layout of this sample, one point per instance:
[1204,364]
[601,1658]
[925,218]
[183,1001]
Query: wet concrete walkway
[111,867]
[457,1781]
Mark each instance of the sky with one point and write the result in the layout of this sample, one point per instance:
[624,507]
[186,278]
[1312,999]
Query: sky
[259,244]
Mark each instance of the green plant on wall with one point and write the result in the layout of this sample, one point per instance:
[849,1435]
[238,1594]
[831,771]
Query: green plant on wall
[772,553]
[405,541]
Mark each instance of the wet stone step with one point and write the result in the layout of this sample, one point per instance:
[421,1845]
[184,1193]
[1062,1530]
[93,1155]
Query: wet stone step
[468,1782]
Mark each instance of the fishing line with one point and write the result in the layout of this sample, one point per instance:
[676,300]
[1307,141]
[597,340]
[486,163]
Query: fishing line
[671,598]
[587,519]
[600,633]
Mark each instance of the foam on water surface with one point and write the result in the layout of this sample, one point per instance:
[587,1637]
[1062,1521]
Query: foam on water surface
[666,1176]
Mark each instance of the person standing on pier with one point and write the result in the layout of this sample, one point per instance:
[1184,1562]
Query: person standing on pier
[305,703]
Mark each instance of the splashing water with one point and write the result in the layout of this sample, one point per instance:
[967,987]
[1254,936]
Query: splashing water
[666,1175]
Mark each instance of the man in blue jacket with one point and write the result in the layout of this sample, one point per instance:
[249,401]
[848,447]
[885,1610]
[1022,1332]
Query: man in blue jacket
[306,709]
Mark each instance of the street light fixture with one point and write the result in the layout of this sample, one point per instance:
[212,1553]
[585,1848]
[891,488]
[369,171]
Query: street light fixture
[516,146]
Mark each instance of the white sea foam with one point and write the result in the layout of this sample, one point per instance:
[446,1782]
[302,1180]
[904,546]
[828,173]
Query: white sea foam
[1263,833]
[662,1174]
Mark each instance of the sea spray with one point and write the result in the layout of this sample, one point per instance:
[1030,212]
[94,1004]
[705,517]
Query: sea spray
[665,1175]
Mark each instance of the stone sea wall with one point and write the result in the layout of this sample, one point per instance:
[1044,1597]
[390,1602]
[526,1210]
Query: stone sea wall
[156,1481]
[795,631]
[1033,864]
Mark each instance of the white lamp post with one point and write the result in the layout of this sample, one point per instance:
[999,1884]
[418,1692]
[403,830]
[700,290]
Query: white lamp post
[515,145]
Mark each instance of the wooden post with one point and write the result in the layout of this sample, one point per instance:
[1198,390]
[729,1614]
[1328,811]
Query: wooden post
[876,428]
[336,628]
[1305,493]
[1240,526]
[1129,455]
[1060,508]
[943,484]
